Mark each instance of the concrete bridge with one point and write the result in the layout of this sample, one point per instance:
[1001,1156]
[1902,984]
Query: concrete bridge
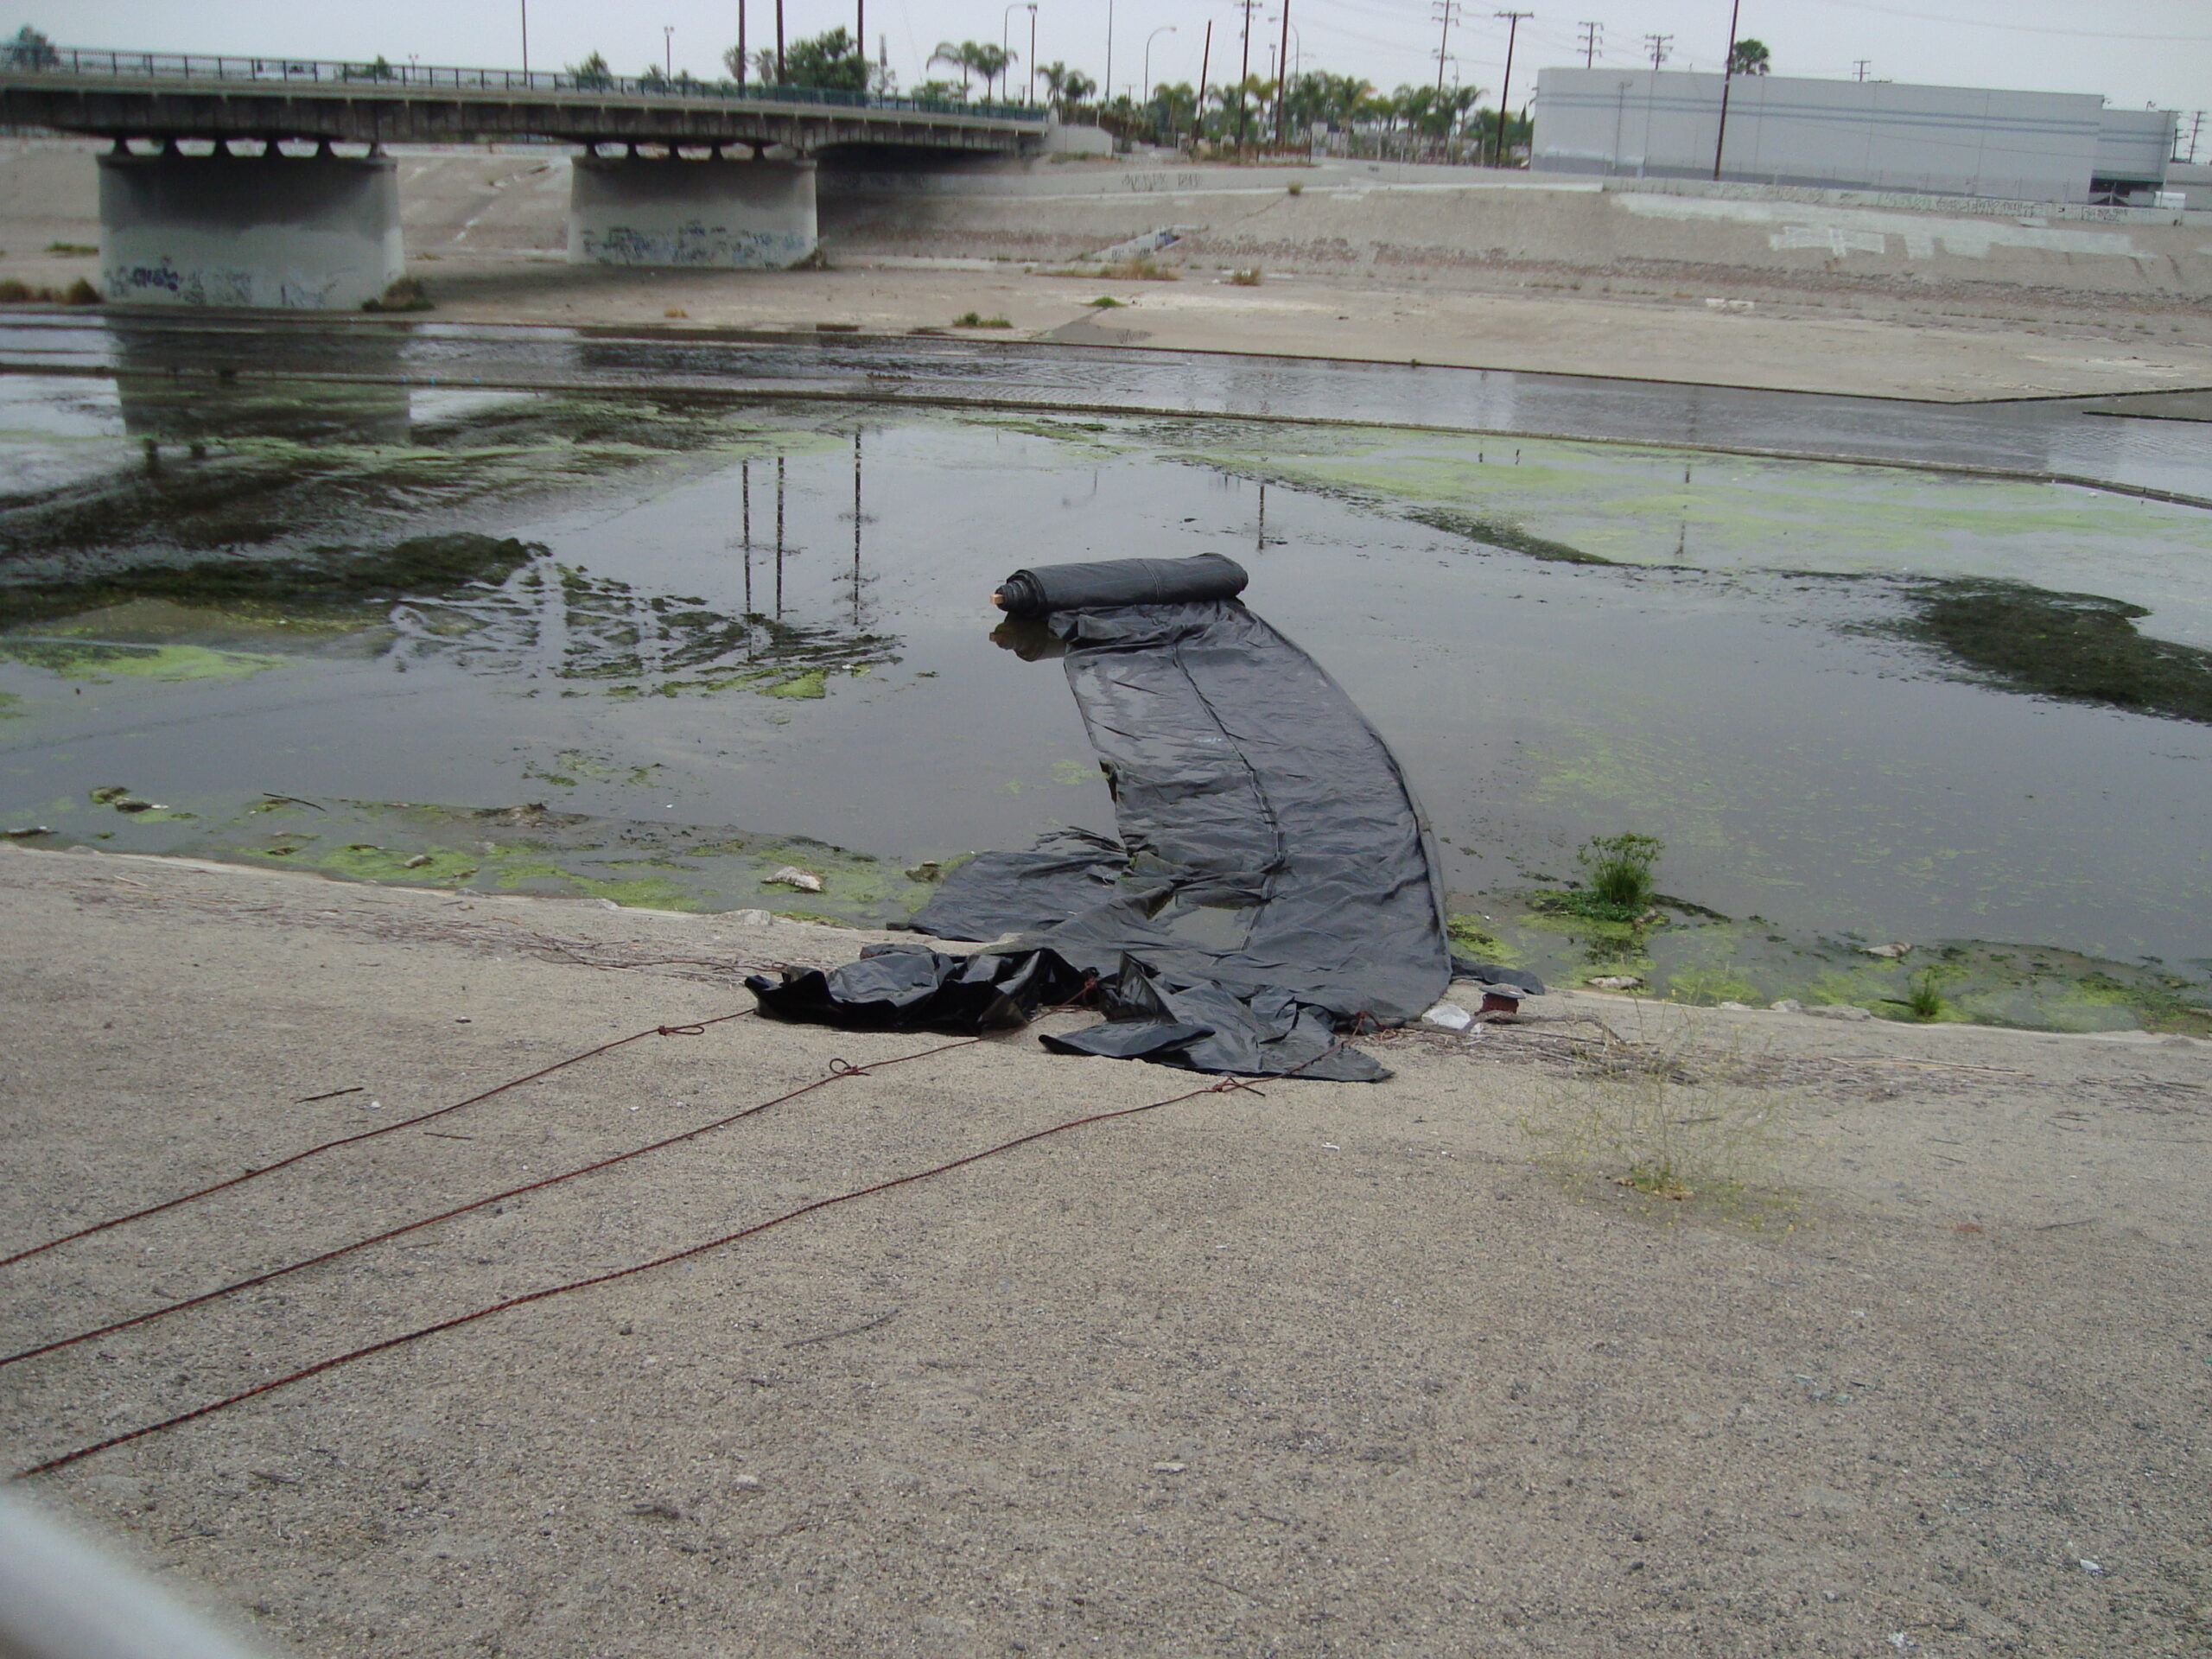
[230,183]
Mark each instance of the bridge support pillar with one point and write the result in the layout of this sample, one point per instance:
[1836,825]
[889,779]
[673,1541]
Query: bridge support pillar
[299,232]
[756,215]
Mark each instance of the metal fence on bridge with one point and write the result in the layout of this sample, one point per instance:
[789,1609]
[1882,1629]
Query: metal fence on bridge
[172,66]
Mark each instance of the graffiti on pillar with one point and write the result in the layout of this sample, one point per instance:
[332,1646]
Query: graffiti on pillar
[696,243]
[119,280]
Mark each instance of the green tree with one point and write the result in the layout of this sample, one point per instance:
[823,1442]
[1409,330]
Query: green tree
[959,55]
[1064,86]
[1751,57]
[593,74]
[1321,97]
[989,61]
[1173,111]
[29,50]
[831,60]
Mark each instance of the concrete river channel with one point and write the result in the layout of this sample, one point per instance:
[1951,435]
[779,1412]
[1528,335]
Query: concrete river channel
[645,617]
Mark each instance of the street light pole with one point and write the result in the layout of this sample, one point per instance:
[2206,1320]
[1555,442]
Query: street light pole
[1106,81]
[668,50]
[526,40]
[1282,74]
[1165,28]
[1032,57]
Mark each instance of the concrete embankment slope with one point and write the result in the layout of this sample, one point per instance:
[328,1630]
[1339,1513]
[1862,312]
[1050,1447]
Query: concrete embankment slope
[1334,1370]
[1470,227]
[1444,226]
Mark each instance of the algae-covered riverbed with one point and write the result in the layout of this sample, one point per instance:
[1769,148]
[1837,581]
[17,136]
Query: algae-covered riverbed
[654,649]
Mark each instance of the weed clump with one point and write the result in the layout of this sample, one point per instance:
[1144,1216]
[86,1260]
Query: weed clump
[1247,277]
[1617,883]
[1106,302]
[1672,1114]
[1924,998]
[14,291]
[407,294]
[72,250]
[977,320]
[1141,268]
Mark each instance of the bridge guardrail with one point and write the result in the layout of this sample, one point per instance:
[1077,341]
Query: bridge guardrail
[337,74]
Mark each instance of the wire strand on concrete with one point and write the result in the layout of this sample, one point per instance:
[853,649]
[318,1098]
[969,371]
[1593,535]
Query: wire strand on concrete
[523,1300]
[695,1029]
[838,1069]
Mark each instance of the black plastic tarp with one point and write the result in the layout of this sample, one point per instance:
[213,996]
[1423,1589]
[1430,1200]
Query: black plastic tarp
[1271,890]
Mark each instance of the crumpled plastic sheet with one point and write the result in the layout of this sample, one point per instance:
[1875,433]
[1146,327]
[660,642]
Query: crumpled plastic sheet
[1271,891]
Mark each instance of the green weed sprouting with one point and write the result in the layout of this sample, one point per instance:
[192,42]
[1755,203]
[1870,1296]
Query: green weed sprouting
[977,320]
[1618,881]
[1923,999]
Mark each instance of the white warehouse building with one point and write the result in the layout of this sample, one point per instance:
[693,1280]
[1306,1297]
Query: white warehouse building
[1970,141]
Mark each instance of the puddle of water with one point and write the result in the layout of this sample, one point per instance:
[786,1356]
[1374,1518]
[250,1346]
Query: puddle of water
[697,632]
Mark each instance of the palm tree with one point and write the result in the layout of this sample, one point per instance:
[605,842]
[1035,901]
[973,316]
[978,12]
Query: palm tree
[989,61]
[958,56]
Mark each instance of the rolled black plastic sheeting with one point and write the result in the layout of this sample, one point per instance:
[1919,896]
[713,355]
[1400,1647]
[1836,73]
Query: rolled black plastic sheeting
[1113,582]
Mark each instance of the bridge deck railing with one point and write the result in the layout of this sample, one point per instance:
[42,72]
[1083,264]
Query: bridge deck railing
[340,76]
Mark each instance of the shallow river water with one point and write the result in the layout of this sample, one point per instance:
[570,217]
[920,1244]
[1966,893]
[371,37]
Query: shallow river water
[732,629]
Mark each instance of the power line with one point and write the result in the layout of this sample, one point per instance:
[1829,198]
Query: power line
[1593,33]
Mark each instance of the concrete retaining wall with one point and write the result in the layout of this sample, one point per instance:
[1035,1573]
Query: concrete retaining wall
[756,215]
[302,233]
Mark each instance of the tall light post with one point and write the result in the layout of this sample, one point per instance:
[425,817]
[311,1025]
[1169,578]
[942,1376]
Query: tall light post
[1106,80]
[668,50]
[525,40]
[1165,28]
[1006,21]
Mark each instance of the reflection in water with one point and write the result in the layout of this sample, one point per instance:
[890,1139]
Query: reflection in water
[162,405]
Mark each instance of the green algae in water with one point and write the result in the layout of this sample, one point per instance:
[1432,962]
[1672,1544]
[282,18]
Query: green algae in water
[2077,647]
[422,564]
[79,659]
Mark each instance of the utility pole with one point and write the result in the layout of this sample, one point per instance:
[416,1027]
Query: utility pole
[1727,80]
[1448,12]
[1205,62]
[1032,56]
[1658,43]
[1593,33]
[1282,75]
[779,43]
[2195,126]
[1505,88]
[668,52]
[1858,67]
[1106,81]
[1244,71]
[741,45]
[525,42]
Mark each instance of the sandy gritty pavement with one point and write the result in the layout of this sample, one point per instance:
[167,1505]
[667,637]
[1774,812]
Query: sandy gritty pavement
[1335,1369]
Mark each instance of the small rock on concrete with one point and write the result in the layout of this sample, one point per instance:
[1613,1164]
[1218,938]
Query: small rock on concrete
[1839,1011]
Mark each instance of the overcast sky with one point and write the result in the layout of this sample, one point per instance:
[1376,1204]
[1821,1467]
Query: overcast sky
[2139,53]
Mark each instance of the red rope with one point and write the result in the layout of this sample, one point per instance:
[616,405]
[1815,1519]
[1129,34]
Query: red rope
[838,1068]
[694,1030]
[417,1335]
